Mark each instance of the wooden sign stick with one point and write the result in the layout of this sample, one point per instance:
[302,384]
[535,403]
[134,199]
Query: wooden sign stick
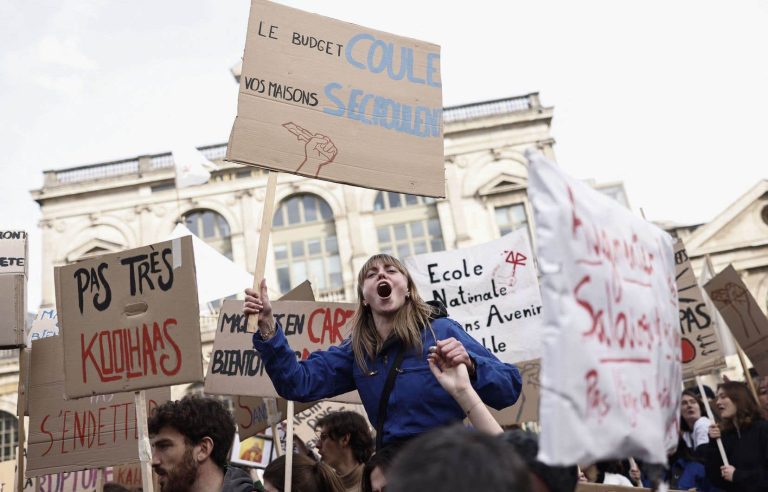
[145,449]
[22,430]
[711,419]
[289,448]
[264,233]
[747,376]
[100,480]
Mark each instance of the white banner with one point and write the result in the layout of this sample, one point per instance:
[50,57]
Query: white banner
[491,290]
[611,372]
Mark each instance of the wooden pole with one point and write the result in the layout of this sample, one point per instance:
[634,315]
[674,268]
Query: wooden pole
[289,448]
[22,429]
[145,449]
[747,376]
[264,233]
[100,480]
[711,419]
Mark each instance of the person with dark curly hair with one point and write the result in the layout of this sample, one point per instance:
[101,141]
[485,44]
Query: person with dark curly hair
[745,438]
[345,444]
[191,440]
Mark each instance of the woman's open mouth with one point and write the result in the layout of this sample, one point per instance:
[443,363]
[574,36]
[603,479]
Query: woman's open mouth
[383,289]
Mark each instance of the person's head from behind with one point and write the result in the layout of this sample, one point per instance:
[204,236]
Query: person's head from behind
[762,395]
[189,437]
[456,458]
[736,406]
[308,476]
[377,467]
[544,478]
[385,289]
[344,436]
[691,409]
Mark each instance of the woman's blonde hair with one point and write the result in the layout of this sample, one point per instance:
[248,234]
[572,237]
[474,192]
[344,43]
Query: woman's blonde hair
[408,322]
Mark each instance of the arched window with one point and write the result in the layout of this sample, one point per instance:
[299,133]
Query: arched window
[9,437]
[305,245]
[407,224]
[212,228]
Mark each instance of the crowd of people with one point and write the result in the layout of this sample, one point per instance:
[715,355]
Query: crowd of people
[419,375]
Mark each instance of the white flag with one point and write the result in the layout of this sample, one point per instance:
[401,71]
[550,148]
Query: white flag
[191,167]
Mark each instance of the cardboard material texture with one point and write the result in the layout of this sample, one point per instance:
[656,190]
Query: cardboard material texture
[45,324]
[526,409]
[13,288]
[335,101]
[235,367]
[304,422]
[78,481]
[701,352]
[253,415]
[742,314]
[68,435]
[130,320]
[129,475]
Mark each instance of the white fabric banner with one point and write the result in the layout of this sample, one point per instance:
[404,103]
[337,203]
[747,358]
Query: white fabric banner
[611,372]
[491,290]
[191,167]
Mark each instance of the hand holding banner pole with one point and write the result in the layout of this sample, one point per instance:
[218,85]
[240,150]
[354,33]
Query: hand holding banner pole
[711,419]
[264,233]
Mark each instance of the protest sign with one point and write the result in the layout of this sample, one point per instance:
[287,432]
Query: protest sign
[701,351]
[491,290]
[68,435]
[526,408]
[13,288]
[611,372]
[254,414]
[305,422]
[45,324]
[76,481]
[340,102]
[235,367]
[129,475]
[130,320]
[743,316]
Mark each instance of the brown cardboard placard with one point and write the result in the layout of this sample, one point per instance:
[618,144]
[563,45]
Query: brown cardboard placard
[340,102]
[45,324]
[526,409]
[129,475]
[701,351]
[741,313]
[130,320]
[68,435]
[235,367]
[13,288]
[252,413]
[13,252]
[77,481]
[304,422]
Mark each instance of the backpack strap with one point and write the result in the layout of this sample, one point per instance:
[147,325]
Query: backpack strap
[384,400]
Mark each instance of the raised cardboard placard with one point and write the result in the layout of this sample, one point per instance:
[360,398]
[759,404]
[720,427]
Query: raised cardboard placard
[526,408]
[701,352]
[304,422]
[75,434]
[491,290]
[13,288]
[253,414]
[611,372]
[68,435]
[340,102]
[130,320]
[742,315]
[45,324]
[235,367]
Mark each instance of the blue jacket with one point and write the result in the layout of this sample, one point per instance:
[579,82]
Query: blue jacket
[417,403]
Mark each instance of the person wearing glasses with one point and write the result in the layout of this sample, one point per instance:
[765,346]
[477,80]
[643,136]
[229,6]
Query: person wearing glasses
[345,444]
[385,358]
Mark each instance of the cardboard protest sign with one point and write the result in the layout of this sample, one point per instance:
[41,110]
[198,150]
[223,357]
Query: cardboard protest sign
[130,320]
[76,481]
[700,344]
[129,475]
[255,414]
[742,314]
[526,409]
[491,290]
[45,324]
[304,422]
[68,435]
[13,288]
[611,372]
[340,102]
[236,368]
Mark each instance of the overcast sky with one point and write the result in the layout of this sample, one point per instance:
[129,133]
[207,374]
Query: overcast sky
[667,96]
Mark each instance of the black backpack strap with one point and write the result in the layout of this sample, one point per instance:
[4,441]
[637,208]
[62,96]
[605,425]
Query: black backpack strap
[388,385]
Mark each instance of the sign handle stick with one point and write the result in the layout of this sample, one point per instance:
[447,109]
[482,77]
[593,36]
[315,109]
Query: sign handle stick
[711,419]
[145,449]
[37,484]
[264,233]
[100,480]
[747,376]
[633,464]
[22,430]
[289,448]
